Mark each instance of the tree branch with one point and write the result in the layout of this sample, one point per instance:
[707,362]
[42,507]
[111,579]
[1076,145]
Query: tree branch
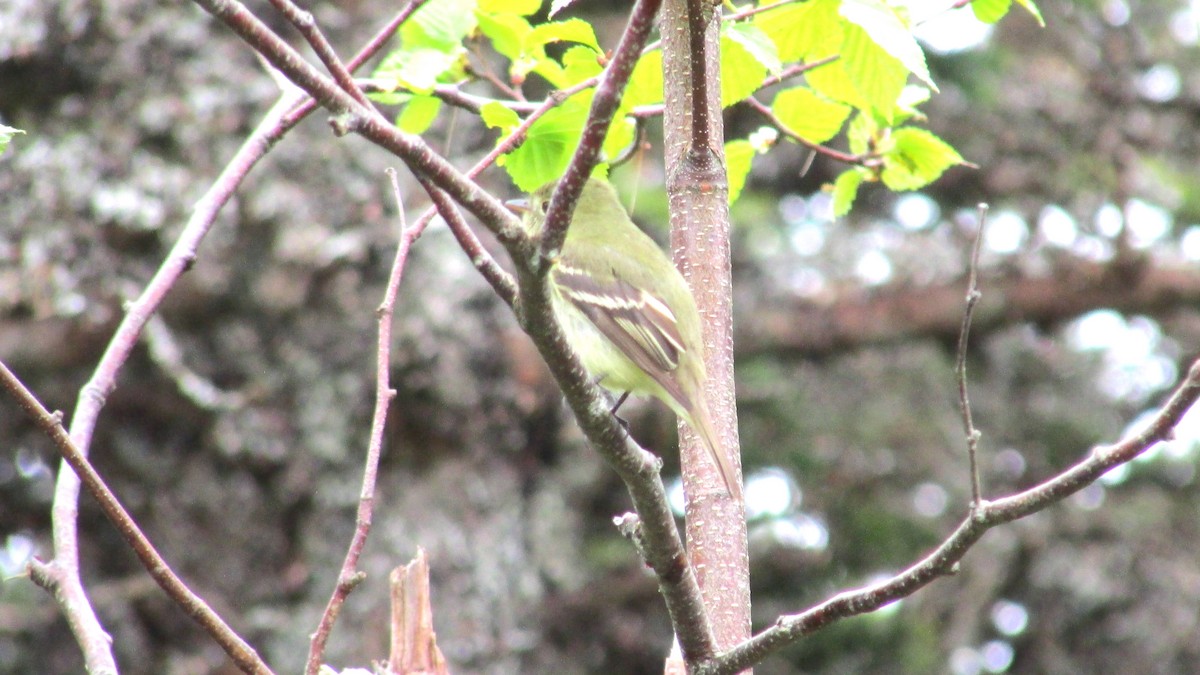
[943,561]
[350,576]
[52,574]
[964,401]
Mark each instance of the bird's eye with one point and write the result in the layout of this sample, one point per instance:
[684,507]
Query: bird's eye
[545,206]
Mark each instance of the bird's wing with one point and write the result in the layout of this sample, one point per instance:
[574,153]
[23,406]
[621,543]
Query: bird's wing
[641,325]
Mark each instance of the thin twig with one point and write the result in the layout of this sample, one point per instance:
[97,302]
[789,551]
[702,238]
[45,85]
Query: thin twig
[304,22]
[769,115]
[51,574]
[491,271]
[964,401]
[350,577]
[368,50]
[91,637]
[944,560]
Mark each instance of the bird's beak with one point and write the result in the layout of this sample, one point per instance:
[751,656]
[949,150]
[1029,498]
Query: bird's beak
[518,206]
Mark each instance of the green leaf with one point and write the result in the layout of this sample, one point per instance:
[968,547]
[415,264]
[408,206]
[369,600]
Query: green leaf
[891,32]
[741,72]
[916,158]
[621,134]
[845,189]
[810,115]
[571,30]
[832,81]
[518,7]
[549,144]
[756,43]
[6,134]
[580,63]
[876,75]
[417,69]
[534,48]
[803,32]
[441,24]
[990,11]
[910,97]
[646,83]
[419,114]
[507,33]
[861,133]
[496,116]
[739,155]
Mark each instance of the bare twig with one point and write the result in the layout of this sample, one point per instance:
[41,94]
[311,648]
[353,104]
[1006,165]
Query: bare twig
[51,575]
[370,49]
[350,577]
[964,401]
[491,271]
[304,22]
[788,629]
[769,115]
[67,583]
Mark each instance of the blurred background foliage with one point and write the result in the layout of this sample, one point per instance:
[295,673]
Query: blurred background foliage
[1085,133]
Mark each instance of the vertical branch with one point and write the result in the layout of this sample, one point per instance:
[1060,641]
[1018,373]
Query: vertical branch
[350,577]
[973,296]
[697,189]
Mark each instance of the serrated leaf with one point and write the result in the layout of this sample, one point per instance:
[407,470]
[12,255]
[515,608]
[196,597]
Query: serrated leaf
[439,23]
[549,144]
[580,63]
[916,158]
[418,115]
[756,43]
[803,32]
[518,7]
[571,30]
[876,75]
[845,189]
[739,156]
[534,58]
[892,33]
[990,11]
[646,83]
[833,82]
[810,115]
[741,72]
[496,116]
[507,32]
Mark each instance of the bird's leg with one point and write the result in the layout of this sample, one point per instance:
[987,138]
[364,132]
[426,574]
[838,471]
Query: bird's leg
[620,400]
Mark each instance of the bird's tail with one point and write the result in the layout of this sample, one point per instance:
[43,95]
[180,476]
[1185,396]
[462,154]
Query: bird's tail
[701,424]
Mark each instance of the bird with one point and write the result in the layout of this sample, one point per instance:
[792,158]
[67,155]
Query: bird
[627,311]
